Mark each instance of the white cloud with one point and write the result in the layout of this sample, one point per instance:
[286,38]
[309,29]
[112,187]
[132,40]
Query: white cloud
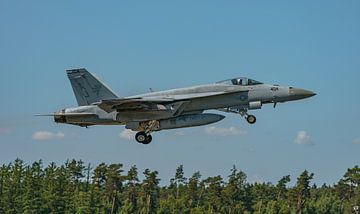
[44,135]
[221,131]
[356,141]
[127,134]
[303,138]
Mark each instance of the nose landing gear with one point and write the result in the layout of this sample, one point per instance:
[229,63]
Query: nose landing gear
[251,119]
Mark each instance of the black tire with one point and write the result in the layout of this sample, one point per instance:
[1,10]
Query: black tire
[251,119]
[141,137]
[148,139]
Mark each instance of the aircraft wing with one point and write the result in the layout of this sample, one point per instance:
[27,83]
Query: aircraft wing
[152,102]
[194,95]
[179,97]
[131,103]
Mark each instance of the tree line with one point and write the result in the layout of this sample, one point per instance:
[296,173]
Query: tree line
[75,187]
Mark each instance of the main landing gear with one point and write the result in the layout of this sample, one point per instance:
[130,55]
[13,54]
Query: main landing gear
[144,137]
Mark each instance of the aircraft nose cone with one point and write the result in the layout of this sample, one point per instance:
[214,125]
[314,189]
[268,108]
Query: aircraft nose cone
[298,93]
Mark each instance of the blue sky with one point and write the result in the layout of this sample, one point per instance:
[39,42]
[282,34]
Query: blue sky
[133,46]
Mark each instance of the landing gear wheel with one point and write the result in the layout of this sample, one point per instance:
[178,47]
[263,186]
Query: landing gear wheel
[251,119]
[140,137]
[143,138]
[148,139]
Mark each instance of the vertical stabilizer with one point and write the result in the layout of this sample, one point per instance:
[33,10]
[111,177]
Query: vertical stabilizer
[87,88]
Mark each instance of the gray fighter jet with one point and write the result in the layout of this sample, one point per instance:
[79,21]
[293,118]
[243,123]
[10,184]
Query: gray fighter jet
[170,109]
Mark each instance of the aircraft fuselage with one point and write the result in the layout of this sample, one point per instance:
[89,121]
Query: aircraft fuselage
[169,109]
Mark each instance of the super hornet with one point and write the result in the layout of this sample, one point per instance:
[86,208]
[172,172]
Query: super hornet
[170,109]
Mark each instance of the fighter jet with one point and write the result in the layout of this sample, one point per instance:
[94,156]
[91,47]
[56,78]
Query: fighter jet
[169,109]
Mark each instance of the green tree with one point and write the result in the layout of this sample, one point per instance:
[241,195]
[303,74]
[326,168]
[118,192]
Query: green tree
[301,191]
[74,188]
[234,193]
[4,180]
[214,189]
[193,191]
[352,176]
[97,189]
[262,193]
[131,191]
[33,187]
[55,186]
[348,189]
[149,194]
[281,187]
[177,183]
[13,188]
[74,170]
[113,187]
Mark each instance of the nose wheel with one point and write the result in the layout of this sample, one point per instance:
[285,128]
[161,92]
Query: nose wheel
[251,119]
[143,138]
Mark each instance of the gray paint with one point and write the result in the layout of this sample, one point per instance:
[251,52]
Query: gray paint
[98,105]
[87,88]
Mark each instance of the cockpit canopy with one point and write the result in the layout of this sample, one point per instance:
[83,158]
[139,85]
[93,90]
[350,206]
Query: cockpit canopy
[240,81]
